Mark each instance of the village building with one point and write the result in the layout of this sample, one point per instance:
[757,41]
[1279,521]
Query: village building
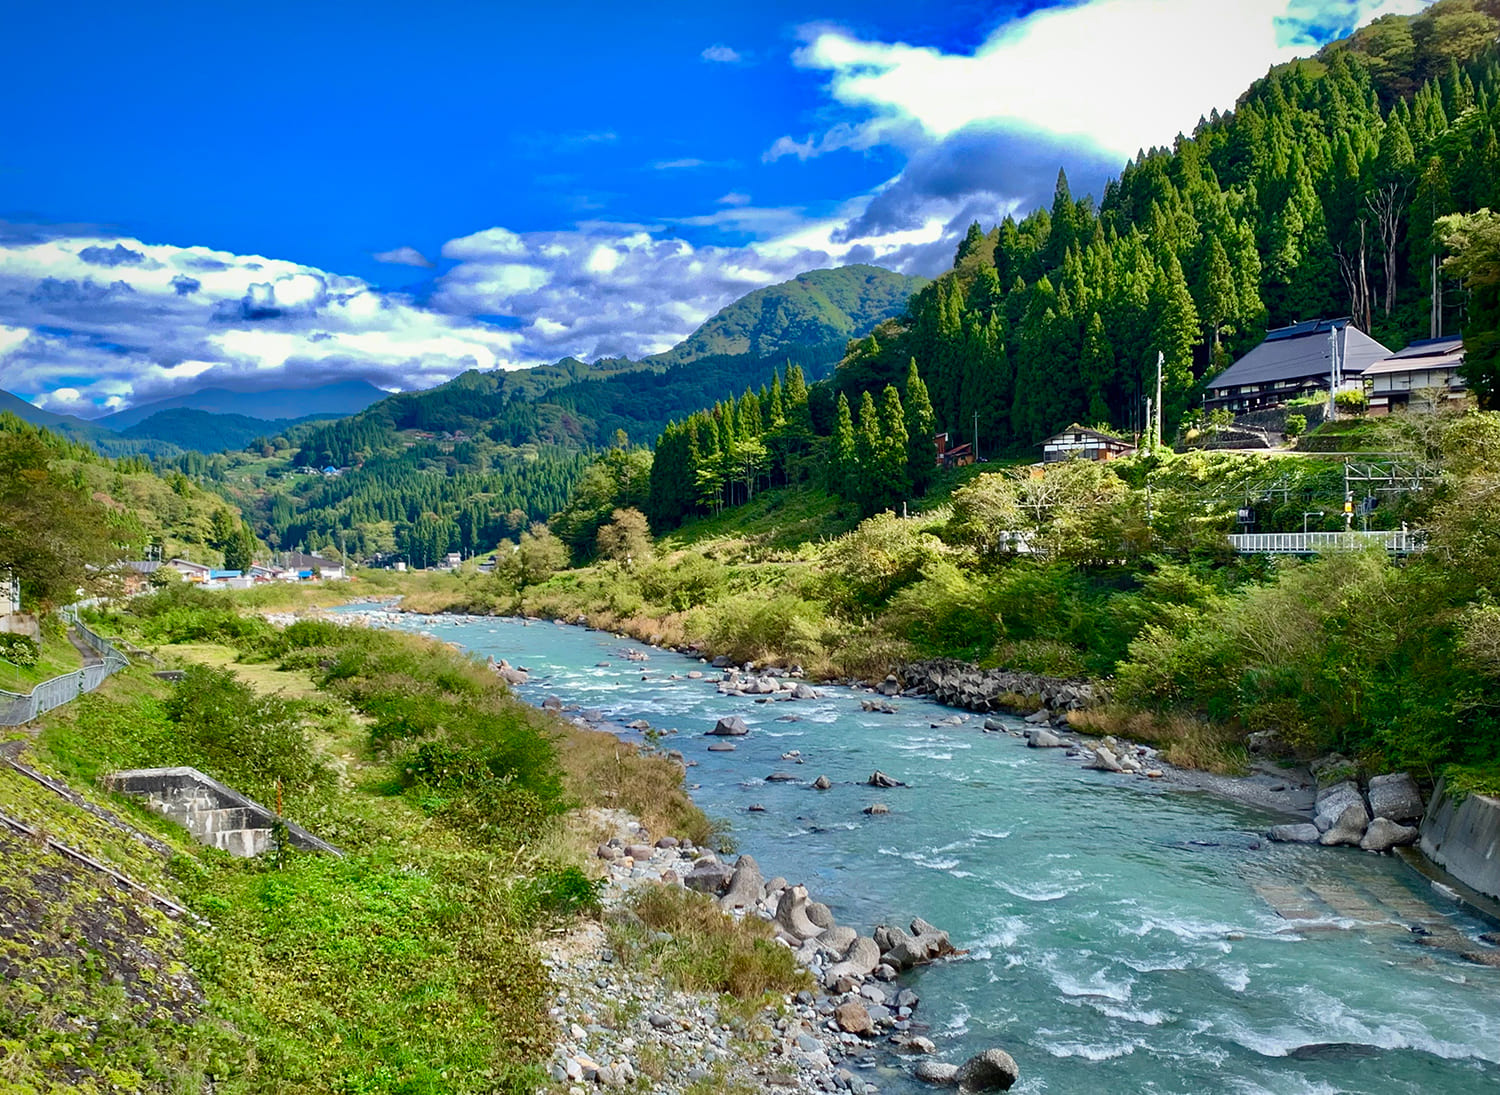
[951,456]
[193,572]
[1416,378]
[1295,361]
[1080,441]
[307,566]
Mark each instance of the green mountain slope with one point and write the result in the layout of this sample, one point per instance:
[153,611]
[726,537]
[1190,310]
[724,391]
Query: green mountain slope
[813,308]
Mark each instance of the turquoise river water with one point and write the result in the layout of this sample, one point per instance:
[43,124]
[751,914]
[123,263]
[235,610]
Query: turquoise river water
[1122,937]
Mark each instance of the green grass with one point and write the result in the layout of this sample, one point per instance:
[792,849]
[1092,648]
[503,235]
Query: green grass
[57,656]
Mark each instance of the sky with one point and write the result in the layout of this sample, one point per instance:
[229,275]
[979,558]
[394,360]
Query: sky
[282,194]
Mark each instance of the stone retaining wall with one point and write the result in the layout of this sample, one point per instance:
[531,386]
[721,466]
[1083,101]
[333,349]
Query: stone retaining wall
[1463,837]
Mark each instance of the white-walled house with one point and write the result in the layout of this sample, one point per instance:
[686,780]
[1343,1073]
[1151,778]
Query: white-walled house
[1409,380]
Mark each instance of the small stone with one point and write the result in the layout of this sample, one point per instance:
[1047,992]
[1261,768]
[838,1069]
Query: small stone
[877,808]
[852,1018]
[822,783]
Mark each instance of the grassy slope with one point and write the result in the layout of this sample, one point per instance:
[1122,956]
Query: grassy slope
[403,967]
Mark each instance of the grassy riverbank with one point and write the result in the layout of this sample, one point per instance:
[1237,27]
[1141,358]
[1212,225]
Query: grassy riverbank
[1126,580]
[407,965]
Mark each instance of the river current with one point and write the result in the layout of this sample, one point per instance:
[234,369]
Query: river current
[1122,937]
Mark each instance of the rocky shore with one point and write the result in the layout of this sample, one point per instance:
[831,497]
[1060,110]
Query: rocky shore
[619,1028]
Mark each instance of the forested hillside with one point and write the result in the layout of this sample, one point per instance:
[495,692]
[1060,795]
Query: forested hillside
[1316,196]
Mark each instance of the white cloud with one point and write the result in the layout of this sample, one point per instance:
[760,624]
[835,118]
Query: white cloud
[247,320]
[1118,74]
[403,256]
[734,197]
[722,54]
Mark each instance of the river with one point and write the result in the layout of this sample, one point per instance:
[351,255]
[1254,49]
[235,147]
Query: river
[1123,937]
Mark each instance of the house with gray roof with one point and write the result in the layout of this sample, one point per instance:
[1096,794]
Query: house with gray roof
[1294,361]
[1418,377]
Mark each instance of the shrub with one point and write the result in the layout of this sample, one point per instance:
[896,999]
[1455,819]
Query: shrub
[691,581]
[1296,425]
[685,936]
[19,650]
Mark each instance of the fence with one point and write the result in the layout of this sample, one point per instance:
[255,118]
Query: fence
[16,709]
[1401,542]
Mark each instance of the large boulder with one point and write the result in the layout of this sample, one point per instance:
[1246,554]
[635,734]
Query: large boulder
[936,1072]
[1395,796]
[880,779]
[1333,800]
[820,914]
[708,876]
[730,726]
[804,692]
[791,913]
[1349,828]
[837,940]
[992,1070]
[745,885]
[852,1018]
[1303,833]
[822,783]
[1385,834]
[1043,739]
[859,960]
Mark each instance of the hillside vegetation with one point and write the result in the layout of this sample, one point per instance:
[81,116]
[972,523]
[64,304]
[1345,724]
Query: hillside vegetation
[408,965]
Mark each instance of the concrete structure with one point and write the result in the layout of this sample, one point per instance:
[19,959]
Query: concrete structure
[216,815]
[1294,361]
[1421,375]
[1463,837]
[1090,444]
[10,593]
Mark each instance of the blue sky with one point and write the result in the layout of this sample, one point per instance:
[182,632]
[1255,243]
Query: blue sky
[278,194]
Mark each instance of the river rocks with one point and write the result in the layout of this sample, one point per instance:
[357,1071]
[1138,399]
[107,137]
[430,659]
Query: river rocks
[879,707]
[836,940]
[731,726]
[820,914]
[1103,759]
[708,876]
[1043,739]
[852,1018]
[1395,796]
[639,852]
[1385,834]
[822,783]
[510,674]
[902,951]
[745,885]
[877,808]
[781,777]
[880,779]
[552,703]
[1333,800]
[1349,828]
[721,747]
[992,1070]
[804,692]
[791,913]
[1304,833]
[859,961]
[889,687]
[638,724]
[937,1073]
[958,684]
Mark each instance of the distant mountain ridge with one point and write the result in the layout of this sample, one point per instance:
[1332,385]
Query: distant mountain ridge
[340,397]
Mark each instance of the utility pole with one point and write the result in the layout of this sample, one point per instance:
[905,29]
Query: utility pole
[1333,371]
[1148,424]
[1160,360]
[976,437]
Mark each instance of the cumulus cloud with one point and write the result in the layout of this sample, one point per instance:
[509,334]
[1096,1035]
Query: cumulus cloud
[404,256]
[190,317]
[1116,75]
[722,54]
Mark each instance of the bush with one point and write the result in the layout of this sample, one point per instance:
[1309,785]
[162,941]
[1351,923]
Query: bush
[19,650]
[691,581]
[1296,425]
[685,936]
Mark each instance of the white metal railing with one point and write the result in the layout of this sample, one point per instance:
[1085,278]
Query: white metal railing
[1398,542]
[16,708]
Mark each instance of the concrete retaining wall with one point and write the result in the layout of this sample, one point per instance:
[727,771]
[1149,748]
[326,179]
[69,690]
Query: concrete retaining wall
[1464,839]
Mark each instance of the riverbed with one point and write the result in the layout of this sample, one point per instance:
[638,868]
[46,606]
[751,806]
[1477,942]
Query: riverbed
[1123,936]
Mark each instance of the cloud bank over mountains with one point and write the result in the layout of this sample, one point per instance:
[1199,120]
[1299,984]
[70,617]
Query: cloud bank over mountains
[91,321]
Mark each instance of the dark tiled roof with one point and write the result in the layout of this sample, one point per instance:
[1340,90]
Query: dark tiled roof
[1433,347]
[1292,353]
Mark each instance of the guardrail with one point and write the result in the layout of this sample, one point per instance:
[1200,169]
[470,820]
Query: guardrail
[1399,542]
[17,708]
